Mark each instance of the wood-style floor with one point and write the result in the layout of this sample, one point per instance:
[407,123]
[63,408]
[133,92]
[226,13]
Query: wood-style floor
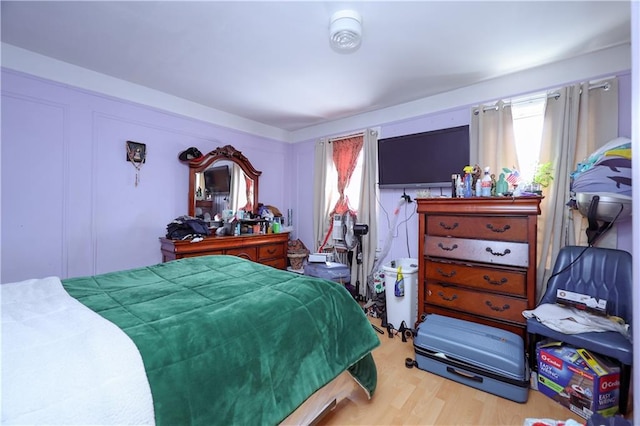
[415,397]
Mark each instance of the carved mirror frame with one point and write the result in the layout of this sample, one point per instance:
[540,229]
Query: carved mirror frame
[228,153]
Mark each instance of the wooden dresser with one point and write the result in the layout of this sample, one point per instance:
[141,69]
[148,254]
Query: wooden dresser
[478,259]
[268,249]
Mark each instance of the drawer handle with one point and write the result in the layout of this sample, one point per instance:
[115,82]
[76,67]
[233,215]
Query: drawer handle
[447,227]
[464,374]
[444,274]
[271,251]
[497,308]
[448,299]
[455,246]
[507,251]
[490,281]
[506,227]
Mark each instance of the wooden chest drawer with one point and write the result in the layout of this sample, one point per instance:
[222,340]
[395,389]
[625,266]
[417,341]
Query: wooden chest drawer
[484,278]
[483,251]
[270,251]
[486,304]
[483,227]
[279,263]
[249,253]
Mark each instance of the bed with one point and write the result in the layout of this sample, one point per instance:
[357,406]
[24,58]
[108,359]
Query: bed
[203,340]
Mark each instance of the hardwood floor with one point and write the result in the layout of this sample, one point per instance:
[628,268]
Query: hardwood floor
[415,397]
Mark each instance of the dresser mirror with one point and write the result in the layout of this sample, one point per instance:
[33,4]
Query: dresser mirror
[223,179]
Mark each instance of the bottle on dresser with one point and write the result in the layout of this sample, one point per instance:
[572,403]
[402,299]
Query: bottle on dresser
[485,184]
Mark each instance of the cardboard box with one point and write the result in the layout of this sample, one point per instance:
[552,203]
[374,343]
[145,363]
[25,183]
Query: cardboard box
[582,301]
[578,379]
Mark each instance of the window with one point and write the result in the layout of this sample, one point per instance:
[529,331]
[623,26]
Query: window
[528,119]
[351,190]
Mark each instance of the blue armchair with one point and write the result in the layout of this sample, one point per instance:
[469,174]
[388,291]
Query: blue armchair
[603,274]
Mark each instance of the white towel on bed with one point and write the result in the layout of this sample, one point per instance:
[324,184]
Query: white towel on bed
[64,364]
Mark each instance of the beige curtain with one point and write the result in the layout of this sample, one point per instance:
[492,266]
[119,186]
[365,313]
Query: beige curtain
[238,192]
[492,139]
[368,211]
[577,122]
[323,167]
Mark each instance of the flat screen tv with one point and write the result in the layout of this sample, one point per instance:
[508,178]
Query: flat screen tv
[218,180]
[423,160]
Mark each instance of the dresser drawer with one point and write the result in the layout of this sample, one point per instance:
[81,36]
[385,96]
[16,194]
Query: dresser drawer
[484,227]
[479,277]
[270,251]
[489,305]
[249,253]
[279,263]
[485,251]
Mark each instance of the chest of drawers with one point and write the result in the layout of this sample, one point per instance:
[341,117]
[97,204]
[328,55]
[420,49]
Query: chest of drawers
[478,259]
[268,249]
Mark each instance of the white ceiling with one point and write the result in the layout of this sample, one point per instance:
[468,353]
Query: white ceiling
[271,62]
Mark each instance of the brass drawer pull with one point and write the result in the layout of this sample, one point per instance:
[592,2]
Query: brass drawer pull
[455,246]
[490,281]
[497,308]
[444,274]
[272,251]
[490,226]
[447,227]
[448,299]
[507,251]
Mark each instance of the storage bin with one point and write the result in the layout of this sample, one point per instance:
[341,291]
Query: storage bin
[333,271]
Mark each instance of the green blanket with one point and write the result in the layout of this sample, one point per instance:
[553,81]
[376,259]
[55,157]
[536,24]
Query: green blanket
[229,341]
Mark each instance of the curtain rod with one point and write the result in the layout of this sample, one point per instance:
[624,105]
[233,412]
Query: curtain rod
[554,95]
[339,138]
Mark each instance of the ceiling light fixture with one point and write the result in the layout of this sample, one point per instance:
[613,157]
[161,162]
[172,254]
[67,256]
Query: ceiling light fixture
[345,31]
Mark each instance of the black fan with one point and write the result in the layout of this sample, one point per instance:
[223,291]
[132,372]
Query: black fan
[352,233]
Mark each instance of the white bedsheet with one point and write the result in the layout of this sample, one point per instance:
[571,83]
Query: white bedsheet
[64,364]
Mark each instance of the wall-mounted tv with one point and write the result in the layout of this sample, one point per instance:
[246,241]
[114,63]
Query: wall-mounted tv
[423,160]
[218,180]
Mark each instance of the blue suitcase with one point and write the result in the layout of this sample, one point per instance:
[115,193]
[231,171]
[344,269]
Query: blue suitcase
[483,357]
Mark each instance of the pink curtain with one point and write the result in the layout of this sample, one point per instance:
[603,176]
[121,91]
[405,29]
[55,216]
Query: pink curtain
[249,193]
[345,156]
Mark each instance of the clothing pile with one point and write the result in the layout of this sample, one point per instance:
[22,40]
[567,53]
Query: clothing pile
[570,320]
[607,170]
[187,228]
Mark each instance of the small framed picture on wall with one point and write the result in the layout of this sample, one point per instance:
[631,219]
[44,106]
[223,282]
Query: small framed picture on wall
[136,152]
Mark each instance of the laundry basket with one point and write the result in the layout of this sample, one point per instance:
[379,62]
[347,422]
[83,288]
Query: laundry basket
[296,260]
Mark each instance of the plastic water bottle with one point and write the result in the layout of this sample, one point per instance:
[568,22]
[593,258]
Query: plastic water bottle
[485,186]
[466,189]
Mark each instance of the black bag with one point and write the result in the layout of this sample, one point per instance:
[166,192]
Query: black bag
[187,228]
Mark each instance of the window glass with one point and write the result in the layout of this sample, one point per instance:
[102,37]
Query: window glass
[528,119]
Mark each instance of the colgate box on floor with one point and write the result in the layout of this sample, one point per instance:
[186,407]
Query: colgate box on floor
[578,379]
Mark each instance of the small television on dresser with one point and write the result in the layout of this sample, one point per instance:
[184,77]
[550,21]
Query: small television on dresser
[423,160]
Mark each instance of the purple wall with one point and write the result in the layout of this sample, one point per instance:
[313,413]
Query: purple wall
[69,203]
